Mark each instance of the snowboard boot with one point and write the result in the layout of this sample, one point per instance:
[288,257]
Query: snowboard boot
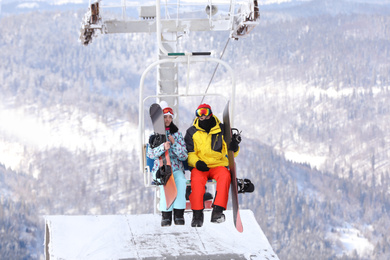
[197,218]
[207,196]
[178,216]
[166,220]
[217,215]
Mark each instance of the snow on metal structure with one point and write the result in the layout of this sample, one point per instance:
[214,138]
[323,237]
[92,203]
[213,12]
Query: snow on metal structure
[142,237]
[239,21]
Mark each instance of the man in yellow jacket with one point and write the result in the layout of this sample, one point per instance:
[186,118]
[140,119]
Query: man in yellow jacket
[207,159]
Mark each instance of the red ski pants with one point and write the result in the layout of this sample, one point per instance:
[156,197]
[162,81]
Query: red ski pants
[198,181]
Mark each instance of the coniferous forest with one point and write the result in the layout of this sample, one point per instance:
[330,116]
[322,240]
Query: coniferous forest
[312,83]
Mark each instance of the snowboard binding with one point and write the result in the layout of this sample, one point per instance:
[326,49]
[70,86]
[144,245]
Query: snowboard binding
[245,185]
[236,135]
[163,174]
[156,140]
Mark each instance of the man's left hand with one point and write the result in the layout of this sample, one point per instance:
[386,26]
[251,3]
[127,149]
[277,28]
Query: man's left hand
[233,146]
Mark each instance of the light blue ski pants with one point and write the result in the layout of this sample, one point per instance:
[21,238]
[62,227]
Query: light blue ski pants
[181,184]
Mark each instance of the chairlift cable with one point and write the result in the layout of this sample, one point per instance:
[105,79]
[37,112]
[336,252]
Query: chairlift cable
[215,70]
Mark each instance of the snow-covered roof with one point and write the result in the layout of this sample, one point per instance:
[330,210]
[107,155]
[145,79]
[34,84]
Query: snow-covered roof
[142,237]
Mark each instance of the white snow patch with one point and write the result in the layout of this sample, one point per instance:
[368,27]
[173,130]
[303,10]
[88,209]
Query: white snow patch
[313,161]
[28,5]
[22,133]
[141,236]
[61,2]
[352,239]
[268,2]
[78,131]
[11,154]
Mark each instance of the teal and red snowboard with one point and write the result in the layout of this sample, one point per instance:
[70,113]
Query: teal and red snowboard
[157,116]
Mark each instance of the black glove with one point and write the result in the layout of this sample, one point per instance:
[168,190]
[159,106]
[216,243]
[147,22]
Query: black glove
[236,140]
[201,166]
[233,146]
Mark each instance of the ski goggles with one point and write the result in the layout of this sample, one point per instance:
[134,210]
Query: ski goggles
[204,111]
[168,110]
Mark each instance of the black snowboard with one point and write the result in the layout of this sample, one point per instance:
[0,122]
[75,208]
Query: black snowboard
[232,168]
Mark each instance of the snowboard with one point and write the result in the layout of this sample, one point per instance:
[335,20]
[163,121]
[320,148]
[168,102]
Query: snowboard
[232,168]
[157,116]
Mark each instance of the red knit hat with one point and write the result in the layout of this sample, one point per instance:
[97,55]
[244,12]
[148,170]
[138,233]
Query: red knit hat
[203,109]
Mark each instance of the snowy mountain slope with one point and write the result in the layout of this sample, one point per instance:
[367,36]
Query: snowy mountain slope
[300,9]
[338,149]
[315,199]
[73,85]
[309,80]
[27,130]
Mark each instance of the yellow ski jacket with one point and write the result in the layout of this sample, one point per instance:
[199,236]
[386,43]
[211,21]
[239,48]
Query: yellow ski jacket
[208,147]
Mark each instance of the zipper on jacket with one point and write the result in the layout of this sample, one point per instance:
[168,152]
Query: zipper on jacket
[215,141]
